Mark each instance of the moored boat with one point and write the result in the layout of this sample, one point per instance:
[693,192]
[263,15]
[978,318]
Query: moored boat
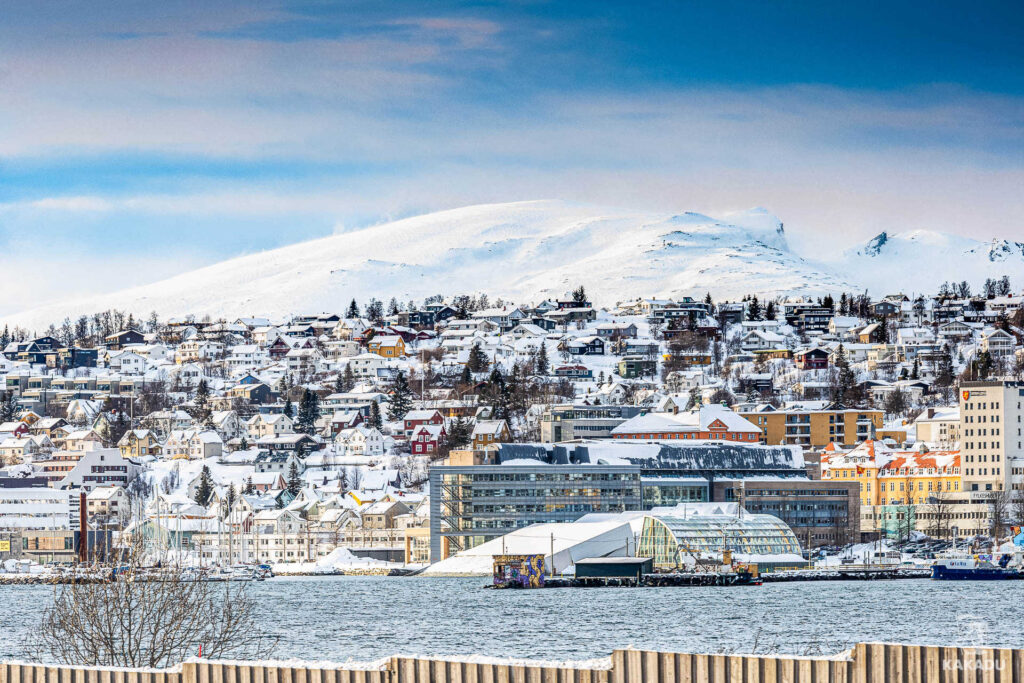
[974,568]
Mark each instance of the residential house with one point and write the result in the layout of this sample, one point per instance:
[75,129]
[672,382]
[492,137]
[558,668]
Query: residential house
[227,424]
[487,432]
[126,362]
[758,340]
[278,461]
[811,359]
[99,467]
[119,340]
[616,331]
[82,440]
[263,425]
[585,346]
[107,503]
[139,443]
[362,440]
[304,361]
[426,439]
[417,418]
[387,346]
[574,372]
[998,343]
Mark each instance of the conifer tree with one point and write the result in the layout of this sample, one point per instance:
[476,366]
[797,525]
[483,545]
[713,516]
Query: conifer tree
[250,488]
[353,309]
[8,410]
[541,363]
[309,413]
[896,403]
[401,398]
[769,311]
[845,380]
[288,409]
[346,380]
[983,364]
[294,484]
[459,433]
[232,497]
[375,420]
[375,311]
[944,375]
[477,361]
[753,309]
[466,377]
[204,492]
[201,412]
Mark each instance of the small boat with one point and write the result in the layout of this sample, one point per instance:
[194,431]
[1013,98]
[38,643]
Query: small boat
[964,567]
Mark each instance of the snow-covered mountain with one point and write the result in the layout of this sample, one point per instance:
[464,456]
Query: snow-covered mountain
[525,251]
[920,260]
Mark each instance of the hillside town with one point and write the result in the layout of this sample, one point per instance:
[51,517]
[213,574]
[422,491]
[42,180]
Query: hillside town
[400,435]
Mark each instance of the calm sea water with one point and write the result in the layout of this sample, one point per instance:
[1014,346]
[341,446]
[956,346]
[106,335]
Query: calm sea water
[363,618]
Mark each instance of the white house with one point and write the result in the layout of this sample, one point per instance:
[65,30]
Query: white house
[126,362]
[999,343]
[264,425]
[362,440]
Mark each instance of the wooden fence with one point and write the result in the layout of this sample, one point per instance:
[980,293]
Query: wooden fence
[865,663]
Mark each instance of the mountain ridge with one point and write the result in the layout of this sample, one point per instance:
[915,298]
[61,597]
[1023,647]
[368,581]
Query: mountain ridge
[527,251]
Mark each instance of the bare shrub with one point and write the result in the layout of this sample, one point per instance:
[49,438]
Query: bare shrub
[158,620]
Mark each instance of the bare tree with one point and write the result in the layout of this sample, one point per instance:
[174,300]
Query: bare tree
[940,517]
[1018,507]
[139,620]
[999,508]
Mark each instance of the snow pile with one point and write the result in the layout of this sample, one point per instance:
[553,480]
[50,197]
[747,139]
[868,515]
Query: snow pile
[338,560]
[21,567]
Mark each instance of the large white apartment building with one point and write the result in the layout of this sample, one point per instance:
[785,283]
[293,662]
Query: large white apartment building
[991,437]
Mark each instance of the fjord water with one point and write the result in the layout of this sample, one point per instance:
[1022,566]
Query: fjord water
[365,618]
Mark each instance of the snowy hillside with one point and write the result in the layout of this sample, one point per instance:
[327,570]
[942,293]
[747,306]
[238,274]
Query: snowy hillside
[921,260]
[524,251]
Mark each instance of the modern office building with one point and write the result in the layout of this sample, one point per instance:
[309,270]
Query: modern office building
[799,426]
[38,508]
[480,495]
[568,422]
[820,513]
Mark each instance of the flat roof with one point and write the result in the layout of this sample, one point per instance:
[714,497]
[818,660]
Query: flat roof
[615,560]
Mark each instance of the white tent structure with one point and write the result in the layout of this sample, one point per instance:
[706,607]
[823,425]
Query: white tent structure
[560,543]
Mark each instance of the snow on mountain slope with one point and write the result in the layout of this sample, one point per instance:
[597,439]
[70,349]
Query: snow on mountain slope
[919,261]
[524,251]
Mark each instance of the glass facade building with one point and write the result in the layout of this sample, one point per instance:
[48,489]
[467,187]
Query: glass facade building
[670,540]
[474,504]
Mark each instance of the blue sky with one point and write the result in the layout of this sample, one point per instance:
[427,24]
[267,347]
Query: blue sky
[139,139]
